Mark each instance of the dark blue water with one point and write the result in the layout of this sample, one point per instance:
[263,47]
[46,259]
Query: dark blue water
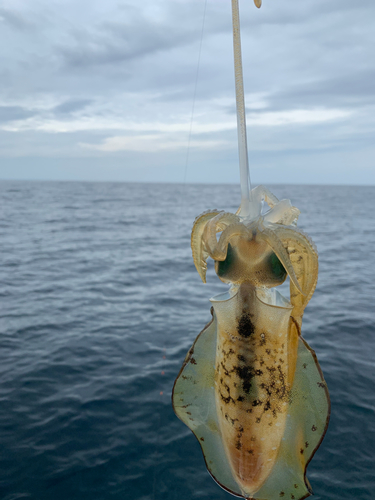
[100,302]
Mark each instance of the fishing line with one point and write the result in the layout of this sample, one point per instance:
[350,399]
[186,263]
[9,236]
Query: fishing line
[195,91]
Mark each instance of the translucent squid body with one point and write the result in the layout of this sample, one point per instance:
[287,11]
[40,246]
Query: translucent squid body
[251,388]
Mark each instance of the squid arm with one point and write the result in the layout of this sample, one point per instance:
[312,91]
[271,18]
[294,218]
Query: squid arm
[304,259]
[200,255]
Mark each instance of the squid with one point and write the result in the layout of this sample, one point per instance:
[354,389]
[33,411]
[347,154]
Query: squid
[251,388]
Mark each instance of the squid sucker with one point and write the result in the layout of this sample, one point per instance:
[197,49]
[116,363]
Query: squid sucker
[251,388]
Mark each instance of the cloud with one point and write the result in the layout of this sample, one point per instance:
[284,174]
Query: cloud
[351,91]
[151,143]
[68,117]
[297,116]
[71,106]
[11,113]
[137,34]
[14,19]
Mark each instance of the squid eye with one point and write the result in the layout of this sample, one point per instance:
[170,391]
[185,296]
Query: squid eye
[223,267]
[277,268]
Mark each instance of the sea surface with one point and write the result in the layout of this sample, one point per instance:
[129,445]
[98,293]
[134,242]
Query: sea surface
[100,302]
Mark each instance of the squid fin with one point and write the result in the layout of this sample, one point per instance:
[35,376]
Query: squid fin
[308,415]
[308,418]
[193,401]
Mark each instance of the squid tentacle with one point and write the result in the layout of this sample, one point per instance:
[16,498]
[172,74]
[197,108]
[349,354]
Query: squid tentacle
[270,198]
[290,217]
[282,213]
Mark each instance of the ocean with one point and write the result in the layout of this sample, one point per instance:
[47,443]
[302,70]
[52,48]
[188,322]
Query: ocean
[100,302]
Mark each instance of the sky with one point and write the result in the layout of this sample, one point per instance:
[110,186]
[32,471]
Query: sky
[104,91]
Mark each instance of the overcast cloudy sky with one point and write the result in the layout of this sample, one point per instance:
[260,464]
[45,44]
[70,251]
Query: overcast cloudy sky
[103,90]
